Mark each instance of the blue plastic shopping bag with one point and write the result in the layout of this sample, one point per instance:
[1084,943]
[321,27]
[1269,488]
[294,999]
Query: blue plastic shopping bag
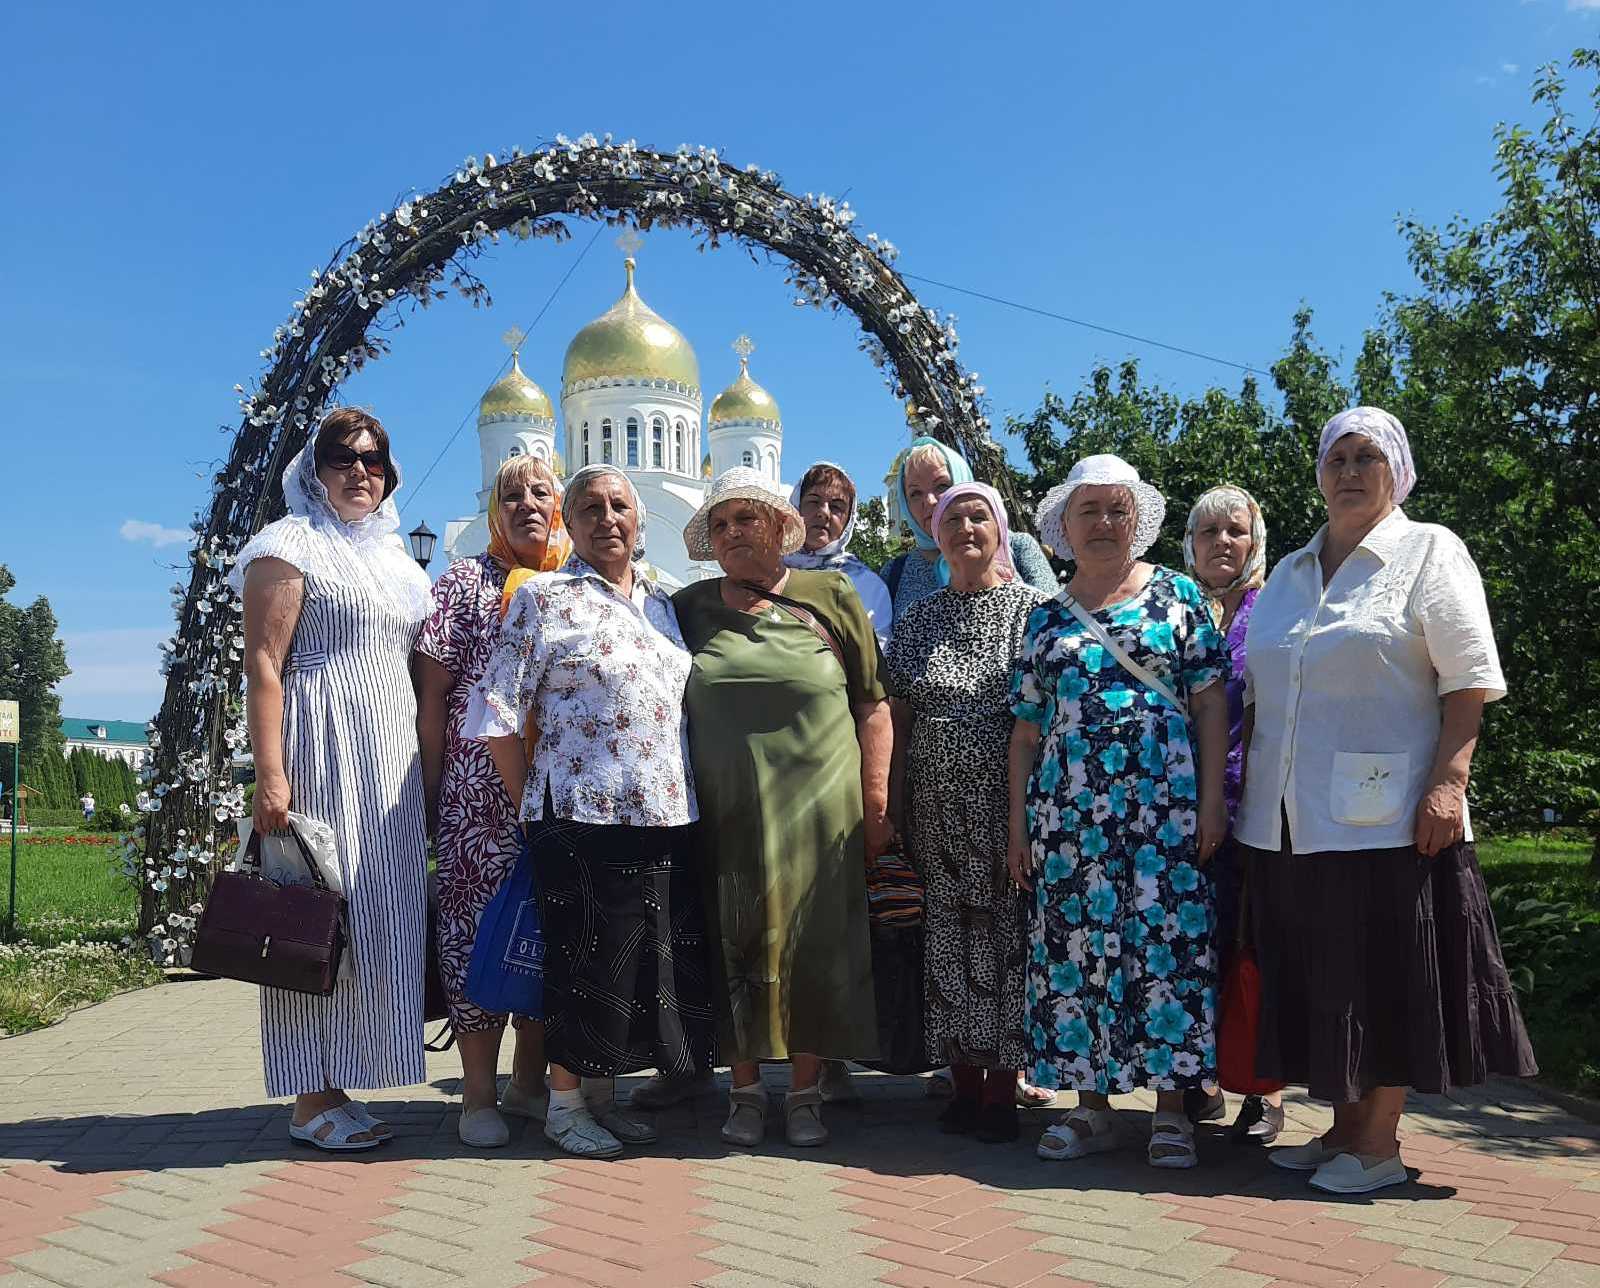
[506,972]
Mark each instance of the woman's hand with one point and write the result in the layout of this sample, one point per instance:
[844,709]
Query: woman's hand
[1019,857]
[1441,818]
[271,809]
[1212,827]
[879,834]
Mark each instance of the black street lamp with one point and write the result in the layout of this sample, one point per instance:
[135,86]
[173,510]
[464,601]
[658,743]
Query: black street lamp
[422,539]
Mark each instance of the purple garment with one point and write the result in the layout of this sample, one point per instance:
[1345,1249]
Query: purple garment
[1233,774]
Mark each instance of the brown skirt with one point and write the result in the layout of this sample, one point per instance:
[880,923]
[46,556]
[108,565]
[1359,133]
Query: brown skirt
[1380,968]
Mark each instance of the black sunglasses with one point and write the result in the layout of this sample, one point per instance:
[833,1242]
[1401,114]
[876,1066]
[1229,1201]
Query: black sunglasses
[342,458]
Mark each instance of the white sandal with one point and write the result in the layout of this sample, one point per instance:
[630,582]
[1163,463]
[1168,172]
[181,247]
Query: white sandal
[1062,1142]
[344,1125]
[1175,1133]
[358,1110]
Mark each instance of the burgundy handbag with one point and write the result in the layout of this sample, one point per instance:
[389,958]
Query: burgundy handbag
[281,936]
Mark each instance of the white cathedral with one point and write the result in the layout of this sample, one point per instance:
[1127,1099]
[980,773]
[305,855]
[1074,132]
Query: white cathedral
[630,395]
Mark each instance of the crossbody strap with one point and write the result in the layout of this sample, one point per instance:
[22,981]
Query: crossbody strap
[1145,676]
[804,614]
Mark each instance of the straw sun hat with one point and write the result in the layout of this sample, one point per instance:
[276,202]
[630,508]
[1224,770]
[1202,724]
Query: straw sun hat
[742,484]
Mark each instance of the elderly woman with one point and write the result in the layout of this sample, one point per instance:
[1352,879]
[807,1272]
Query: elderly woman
[594,654]
[332,605]
[928,470]
[1370,660]
[473,820]
[1225,552]
[950,667]
[1116,766]
[791,736]
[826,499]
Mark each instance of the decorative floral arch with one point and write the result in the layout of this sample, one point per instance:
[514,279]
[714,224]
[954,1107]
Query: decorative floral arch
[408,256]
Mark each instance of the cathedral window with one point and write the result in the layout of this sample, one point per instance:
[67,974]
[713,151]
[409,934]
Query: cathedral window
[677,436]
[658,443]
[605,442]
[748,460]
[633,441]
[585,442]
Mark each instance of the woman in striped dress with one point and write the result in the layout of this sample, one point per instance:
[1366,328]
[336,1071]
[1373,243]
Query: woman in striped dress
[332,606]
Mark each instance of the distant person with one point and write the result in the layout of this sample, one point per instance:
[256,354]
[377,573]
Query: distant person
[474,821]
[1371,657]
[86,804]
[332,606]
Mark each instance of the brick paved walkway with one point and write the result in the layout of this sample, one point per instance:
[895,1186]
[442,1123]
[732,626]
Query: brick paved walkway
[136,1149]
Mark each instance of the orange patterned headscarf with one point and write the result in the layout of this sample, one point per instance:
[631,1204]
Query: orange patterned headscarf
[516,472]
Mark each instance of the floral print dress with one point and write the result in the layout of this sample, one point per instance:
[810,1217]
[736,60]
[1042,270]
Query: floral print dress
[1121,973]
[477,839]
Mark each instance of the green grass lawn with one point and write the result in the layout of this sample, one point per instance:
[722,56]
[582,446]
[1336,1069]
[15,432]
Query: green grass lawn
[1547,906]
[73,910]
[61,880]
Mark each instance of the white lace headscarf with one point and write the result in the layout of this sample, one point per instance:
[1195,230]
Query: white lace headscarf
[368,554]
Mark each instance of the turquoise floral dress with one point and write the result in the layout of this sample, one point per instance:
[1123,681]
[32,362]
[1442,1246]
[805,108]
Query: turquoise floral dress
[1121,974]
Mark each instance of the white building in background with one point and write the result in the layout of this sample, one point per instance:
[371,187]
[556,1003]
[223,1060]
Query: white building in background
[630,396]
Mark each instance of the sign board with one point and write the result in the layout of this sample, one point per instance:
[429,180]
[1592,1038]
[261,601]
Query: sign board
[10,722]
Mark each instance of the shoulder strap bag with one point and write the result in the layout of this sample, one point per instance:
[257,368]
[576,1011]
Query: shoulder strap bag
[803,614]
[1103,637]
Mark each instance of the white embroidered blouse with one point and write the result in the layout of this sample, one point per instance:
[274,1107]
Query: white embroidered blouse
[1346,682]
[602,674]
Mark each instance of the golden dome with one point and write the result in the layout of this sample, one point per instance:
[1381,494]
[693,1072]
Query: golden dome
[515,395]
[744,400]
[630,339]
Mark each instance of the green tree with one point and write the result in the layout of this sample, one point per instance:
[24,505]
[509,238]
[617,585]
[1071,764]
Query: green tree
[32,663]
[875,541]
[1494,366]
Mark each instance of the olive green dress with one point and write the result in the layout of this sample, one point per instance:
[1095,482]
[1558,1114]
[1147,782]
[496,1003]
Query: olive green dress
[780,840]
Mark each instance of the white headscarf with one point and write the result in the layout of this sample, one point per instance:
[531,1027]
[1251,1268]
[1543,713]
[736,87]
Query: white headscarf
[577,484]
[367,555]
[833,554]
[1384,430]
[836,557]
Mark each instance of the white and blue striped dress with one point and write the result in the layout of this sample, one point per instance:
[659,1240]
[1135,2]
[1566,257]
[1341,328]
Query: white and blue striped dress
[350,755]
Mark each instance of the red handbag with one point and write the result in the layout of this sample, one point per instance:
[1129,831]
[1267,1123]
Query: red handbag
[280,936]
[1239,1021]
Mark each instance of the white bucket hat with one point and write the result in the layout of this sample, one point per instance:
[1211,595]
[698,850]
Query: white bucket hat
[1149,506]
[742,484]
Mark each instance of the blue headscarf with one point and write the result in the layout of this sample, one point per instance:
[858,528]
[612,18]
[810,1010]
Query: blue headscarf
[960,472]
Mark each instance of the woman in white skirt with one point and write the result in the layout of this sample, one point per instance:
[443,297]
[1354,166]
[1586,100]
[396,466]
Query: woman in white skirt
[332,606]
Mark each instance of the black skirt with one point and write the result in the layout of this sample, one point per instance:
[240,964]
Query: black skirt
[1380,968]
[625,965]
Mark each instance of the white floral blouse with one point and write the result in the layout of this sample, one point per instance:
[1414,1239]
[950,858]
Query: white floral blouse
[603,675]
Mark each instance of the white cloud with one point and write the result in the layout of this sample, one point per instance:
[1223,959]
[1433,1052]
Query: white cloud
[154,533]
[1583,4]
[1485,80]
[116,673]
[1510,69]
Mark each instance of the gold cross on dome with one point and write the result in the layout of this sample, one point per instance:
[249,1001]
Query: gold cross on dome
[629,243]
[744,346]
[513,338]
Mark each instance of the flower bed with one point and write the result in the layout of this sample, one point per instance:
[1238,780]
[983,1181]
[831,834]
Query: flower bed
[39,985]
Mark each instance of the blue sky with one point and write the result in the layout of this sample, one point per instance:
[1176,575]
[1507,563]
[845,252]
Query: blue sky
[1189,172]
